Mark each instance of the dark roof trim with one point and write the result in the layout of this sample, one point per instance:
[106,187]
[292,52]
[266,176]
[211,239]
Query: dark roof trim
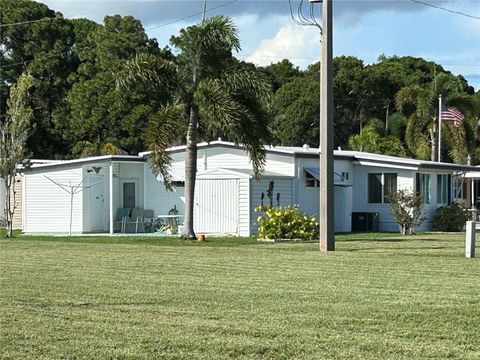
[446,166]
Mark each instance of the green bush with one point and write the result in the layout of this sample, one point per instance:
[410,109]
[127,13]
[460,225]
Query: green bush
[450,218]
[286,222]
[407,209]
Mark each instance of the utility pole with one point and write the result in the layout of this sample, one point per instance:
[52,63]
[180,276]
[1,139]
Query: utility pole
[326,213]
[327,235]
[204,10]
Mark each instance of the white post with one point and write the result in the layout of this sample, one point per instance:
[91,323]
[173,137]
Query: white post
[110,196]
[470,239]
[71,212]
[439,128]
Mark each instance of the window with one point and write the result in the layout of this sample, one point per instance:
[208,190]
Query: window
[423,185]
[374,188]
[459,188]
[310,180]
[443,189]
[390,187]
[380,186]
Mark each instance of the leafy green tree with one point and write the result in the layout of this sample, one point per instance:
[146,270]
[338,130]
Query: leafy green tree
[281,73]
[296,107]
[43,49]
[372,140]
[13,137]
[97,114]
[420,104]
[216,95]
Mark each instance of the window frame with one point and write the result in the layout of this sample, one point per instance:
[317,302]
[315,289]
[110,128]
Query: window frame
[311,181]
[444,189]
[380,198]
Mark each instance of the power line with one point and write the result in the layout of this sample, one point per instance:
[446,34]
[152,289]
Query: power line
[145,30]
[74,16]
[64,17]
[192,15]
[445,9]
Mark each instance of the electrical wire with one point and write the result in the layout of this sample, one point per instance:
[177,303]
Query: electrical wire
[145,30]
[445,9]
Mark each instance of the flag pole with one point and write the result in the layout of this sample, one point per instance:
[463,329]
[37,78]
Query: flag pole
[439,128]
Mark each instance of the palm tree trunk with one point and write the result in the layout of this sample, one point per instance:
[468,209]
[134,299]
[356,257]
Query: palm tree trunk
[190,173]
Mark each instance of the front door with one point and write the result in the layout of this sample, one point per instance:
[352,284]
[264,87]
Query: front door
[97,203]
[129,192]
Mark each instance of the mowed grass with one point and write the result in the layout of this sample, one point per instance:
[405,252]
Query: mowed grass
[377,297]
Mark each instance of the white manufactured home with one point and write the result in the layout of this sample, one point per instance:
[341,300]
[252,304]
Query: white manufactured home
[227,193]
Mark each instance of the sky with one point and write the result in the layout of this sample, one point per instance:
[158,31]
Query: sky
[362,28]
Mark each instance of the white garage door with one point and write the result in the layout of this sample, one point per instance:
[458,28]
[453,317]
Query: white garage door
[216,206]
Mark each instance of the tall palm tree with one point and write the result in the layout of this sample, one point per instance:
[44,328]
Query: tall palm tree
[212,94]
[420,103]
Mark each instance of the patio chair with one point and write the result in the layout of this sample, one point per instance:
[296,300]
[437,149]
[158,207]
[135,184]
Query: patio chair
[148,220]
[120,217]
[136,218]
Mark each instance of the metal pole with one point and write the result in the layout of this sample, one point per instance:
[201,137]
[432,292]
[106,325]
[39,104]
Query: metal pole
[204,10]
[110,197]
[327,236]
[440,128]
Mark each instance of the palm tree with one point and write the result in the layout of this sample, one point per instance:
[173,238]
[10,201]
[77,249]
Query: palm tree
[212,94]
[87,149]
[420,103]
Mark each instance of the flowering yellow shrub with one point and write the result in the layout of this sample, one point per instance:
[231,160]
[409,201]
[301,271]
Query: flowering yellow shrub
[286,222]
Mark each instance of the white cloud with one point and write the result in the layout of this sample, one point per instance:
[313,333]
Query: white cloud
[300,44]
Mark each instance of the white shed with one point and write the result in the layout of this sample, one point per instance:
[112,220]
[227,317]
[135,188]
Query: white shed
[103,184]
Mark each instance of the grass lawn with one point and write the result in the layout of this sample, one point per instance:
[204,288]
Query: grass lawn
[377,297]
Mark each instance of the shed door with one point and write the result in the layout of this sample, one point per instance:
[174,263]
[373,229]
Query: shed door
[216,206]
[343,208]
[97,203]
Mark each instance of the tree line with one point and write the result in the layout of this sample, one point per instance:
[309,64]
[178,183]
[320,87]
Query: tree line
[87,100]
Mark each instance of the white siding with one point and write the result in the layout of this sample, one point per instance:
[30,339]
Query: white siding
[216,206]
[17,201]
[308,198]
[282,186]
[231,158]
[243,194]
[47,207]
[160,200]
[405,180]
[2,199]
[244,209]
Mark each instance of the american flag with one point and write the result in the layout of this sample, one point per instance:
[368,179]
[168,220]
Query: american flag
[452,114]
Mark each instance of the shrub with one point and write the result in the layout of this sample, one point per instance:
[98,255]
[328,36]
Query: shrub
[286,222]
[450,218]
[407,209]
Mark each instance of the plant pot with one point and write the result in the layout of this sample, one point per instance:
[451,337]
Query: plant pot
[201,237]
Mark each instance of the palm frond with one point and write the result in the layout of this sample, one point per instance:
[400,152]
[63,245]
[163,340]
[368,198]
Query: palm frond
[148,69]
[197,41]
[221,113]
[242,80]
[163,128]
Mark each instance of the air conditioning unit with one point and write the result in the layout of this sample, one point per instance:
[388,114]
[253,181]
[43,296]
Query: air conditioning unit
[365,221]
